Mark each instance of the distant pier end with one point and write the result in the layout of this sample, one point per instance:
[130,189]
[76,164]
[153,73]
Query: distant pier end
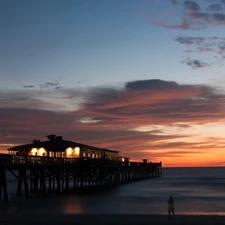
[60,165]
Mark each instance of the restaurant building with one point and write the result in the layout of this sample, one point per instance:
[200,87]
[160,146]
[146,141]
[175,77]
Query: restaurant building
[57,147]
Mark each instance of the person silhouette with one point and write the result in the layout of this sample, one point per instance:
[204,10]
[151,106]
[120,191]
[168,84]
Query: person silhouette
[171,207]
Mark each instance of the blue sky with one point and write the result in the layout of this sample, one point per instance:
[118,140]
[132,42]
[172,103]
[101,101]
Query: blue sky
[61,57]
[89,43]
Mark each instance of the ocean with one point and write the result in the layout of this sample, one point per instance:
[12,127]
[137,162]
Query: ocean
[197,191]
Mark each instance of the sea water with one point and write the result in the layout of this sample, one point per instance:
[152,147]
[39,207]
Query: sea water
[195,190]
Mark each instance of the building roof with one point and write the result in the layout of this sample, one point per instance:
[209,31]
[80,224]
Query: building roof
[56,142]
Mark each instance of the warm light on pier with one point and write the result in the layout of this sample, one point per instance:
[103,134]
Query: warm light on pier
[73,152]
[42,151]
[39,152]
[77,150]
[34,151]
[69,151]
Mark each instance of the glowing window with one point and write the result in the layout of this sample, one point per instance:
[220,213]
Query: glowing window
[33,151]
[41,151]
[69,151]
[77,150]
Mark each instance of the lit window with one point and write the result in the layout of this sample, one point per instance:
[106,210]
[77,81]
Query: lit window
[33,151]
[41,151]
[69,152]
[77,150]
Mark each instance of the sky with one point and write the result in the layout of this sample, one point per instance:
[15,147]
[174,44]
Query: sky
[144,77]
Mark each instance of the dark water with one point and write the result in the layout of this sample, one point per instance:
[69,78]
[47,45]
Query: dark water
[195,190]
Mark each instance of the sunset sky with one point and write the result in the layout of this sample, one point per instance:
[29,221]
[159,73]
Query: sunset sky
[145,77]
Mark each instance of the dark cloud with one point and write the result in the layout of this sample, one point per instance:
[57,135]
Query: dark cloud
[195,17]
[150,84]
[215,45]
[175,2]
[55,85]
[28,86]
[190,40]
[216,7]
[58,87]
[191,6]
[219,18]
[201,19]
[195,64]
[208,41]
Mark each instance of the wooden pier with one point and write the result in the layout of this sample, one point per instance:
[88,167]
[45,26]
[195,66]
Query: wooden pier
[53,173]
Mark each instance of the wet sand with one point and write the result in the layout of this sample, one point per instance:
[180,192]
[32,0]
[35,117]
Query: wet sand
[107,219]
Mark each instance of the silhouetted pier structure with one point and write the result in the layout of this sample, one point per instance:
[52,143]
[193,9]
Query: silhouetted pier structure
[58,165]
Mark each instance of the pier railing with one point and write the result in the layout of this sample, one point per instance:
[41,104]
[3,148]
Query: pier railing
[6,159]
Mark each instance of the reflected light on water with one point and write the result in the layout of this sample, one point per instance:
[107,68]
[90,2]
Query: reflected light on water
[202,213]
[72,208]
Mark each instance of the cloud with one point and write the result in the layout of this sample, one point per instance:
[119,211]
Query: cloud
[193,17]
[216,7]
[55,85]
[150,84]
[212,47]
[219,18]
[175,2]
[88,120]
[117,107]
[114,118]
[28,86]
[50,100]
[184,25]
[191,6]
[195,64]
[190,40]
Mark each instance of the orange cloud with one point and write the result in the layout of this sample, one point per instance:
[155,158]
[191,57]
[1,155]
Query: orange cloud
[154,119]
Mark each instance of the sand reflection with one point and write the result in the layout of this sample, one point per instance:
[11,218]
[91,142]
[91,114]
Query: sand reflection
[72,207]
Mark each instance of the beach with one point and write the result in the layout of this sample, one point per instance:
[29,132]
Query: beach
[109,219]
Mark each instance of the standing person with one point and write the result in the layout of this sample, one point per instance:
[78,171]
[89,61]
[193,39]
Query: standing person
[171,206]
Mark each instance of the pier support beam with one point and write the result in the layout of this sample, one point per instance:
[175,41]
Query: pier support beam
[19,185]
[4,184]
[26,186]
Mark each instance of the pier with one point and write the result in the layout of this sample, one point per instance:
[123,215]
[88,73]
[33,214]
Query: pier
[60,166]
